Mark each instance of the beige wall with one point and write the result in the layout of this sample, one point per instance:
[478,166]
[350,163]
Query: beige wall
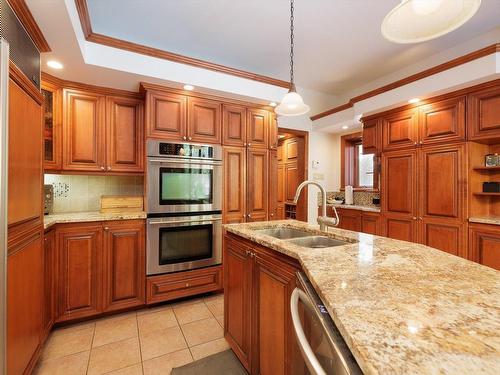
[74,193]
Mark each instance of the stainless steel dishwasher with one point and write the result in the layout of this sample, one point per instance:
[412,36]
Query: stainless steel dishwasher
[322,347]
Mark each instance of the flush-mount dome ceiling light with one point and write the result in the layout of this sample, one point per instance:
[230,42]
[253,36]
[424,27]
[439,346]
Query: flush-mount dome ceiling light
[292,103]
[54,64]
[414,21]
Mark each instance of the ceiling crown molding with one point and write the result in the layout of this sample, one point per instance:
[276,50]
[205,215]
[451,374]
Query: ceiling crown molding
[414,77]
[23,13]
[83,13]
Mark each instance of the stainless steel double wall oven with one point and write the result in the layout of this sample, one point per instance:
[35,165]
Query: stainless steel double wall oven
[184,187]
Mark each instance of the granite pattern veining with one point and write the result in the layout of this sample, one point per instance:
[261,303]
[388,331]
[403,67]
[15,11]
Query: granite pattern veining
[402,308]
[77,217]
[495,220]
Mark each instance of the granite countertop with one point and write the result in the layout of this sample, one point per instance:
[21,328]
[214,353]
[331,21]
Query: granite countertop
[495,220]
[77,217]
[402,308]
[355,207]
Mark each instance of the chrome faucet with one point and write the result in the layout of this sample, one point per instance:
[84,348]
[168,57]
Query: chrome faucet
[323,220]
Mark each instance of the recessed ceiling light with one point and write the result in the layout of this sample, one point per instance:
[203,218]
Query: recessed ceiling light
[189,87]
[345,127]
[273,104]
[413,100]
[54,64]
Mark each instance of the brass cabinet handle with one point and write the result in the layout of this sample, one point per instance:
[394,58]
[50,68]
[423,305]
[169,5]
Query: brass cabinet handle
[249,144]
[102,168]
[106,228]
[189,138]
[184,138]
[109,168]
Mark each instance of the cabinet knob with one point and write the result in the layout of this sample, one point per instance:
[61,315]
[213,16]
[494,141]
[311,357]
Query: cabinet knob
[249,144]
[109,168]
[106,228]
[419,218]
[184,138]
[421,142]
[187,285]
[415,143]
[189,138]
[272,215]
[245,144]
[414,218]
[102,168]
[249,215]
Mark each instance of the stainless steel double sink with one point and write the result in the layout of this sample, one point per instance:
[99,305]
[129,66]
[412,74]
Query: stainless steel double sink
[302,238]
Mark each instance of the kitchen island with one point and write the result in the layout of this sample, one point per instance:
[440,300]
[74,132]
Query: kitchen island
[402,308]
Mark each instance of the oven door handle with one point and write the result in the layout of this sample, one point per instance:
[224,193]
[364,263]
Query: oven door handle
[158,222]
[184,161]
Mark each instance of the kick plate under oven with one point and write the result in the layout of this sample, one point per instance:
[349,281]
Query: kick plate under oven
[183,243]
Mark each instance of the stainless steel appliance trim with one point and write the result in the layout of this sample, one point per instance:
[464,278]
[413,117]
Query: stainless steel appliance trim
[312,362]
[184,160]
[153,230]
[152,146]
[342,352]
[4,152]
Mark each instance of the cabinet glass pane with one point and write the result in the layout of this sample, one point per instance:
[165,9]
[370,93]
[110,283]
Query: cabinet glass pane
[48,118]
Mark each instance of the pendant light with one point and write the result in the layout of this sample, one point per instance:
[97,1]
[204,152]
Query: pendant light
[292,103]
[414,21]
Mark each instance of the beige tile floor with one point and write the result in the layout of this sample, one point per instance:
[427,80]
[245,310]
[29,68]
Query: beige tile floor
[145,342]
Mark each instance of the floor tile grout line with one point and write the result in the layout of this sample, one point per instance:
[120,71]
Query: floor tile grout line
[90,351]
[182,333]
[139,339]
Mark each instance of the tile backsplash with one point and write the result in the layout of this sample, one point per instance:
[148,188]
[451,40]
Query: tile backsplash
[360,198]
[77,193]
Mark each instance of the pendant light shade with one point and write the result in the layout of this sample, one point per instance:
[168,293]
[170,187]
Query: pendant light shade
[292,103]
[414,21]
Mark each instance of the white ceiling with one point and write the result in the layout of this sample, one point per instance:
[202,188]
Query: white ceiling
[338,42]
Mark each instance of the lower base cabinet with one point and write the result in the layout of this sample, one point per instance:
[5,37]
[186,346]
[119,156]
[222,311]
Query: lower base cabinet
[357,220]
[484,244]
[100,268]
[258,283]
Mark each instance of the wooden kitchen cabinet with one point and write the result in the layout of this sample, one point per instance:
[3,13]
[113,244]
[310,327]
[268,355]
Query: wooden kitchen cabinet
[273,185]
[444,234]
[371,223]
[124,281]
[234,125]
[400,129]
[372,137]
[483,115]
[80,269]
[49,284]
[258,284]
[166,116]
[349,219]
[124,135]
[84,129]
[273,131]
[235,192]
[204,120]
[484,245]
[400,227]
[52,126]
[442,121]
[257,128]
[257,184]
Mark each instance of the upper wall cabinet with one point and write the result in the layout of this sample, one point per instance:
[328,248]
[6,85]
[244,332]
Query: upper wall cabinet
[234,125]
[166,116]
[399,130]
[442,121]
[483,115]
[273,131]
[257,128]
[204,121]
[52,126]
[102,133]
[83,131]
[372,137]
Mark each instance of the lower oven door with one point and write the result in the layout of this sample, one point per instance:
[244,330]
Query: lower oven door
[183,243]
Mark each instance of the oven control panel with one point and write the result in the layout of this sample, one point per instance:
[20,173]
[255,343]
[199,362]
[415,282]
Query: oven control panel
[186,150]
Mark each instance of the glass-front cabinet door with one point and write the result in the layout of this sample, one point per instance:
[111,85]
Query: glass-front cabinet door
[52,126]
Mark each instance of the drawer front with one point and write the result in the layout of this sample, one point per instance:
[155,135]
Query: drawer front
[177,285]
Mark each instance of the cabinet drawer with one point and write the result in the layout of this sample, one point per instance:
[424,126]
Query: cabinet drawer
[171,286]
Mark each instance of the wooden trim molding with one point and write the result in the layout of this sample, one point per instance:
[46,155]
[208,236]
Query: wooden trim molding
[21,80]
[415,77]
[23,13]
[83,12]
[58,82]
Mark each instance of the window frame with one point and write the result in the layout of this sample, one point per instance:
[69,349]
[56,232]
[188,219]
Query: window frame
[350,162]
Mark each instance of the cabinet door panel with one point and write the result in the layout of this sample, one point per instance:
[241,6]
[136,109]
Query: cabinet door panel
[370,223]
[79,272]
[238,300]
[273,131]
[83,131]
[273,185]
[372,137]
[483,115]
[166,116]
[445,235]
[24,302]
[49,280]
[400,130]
[52,109]
[484,245]
[291,180]
[124,141]
[349,219]
[442,176]
[25,157]
[257,172]
[234,184]
[442,121]
[124,265]
[204,120]
[399,176]
[281,183]
[400,227]
[234,126]
[257,128]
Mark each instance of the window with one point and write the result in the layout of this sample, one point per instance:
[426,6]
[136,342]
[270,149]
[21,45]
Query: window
[358,170]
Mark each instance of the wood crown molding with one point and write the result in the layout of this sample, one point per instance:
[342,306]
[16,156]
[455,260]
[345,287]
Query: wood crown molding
[61,83]
[23,13]
[22,81]
[415,77]
[83,12]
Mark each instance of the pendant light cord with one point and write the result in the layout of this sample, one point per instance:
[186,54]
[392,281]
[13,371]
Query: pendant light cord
[292,85]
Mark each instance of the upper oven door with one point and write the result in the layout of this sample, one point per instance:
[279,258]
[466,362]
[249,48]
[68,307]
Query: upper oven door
[177,185]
